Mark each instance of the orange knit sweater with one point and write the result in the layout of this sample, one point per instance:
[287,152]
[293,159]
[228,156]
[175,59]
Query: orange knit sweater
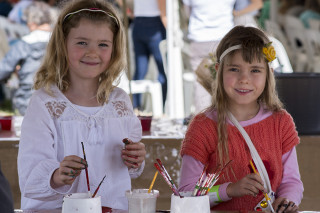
[272,137]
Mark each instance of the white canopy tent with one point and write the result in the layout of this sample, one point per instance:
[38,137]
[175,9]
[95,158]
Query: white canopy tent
[175,101]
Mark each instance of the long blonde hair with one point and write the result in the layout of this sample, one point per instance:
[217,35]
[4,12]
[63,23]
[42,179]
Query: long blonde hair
[252,41]
[55,67]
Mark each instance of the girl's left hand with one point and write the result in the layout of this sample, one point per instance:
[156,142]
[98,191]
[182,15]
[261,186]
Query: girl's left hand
[133,154]
[282,204]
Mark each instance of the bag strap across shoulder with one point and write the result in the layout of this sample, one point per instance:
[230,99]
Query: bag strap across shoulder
[254,153]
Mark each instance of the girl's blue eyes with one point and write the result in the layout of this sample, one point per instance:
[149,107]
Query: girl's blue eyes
[82,43]
[237,70]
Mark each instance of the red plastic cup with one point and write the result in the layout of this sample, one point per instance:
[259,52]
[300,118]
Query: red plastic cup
[145,123]
[6,122]
[106,209]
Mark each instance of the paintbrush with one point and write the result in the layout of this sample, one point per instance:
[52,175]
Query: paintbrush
[167,174]
[166,178]
[95,192]
[86,169]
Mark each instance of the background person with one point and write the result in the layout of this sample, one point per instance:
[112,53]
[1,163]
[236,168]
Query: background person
[209,21]
[27,53]
[148,31]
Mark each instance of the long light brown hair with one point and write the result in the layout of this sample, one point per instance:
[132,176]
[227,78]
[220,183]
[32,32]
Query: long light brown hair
[55,67]
[252,41]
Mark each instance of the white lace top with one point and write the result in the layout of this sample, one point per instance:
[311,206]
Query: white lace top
[53,128]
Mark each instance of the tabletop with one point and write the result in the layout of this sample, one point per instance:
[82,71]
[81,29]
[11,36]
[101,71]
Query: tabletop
[160,129]
[158,211]
[59,211]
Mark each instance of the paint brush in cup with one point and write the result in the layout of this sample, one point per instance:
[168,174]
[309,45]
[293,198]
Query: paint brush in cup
[95,192]
[87,175]
[197,187]
[166,177]
[167,174]
[154,179]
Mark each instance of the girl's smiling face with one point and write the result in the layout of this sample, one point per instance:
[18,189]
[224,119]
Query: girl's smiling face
[243,82]
[89,48]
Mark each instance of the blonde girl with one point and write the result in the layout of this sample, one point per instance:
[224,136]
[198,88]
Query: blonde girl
[245,87]
[75,101]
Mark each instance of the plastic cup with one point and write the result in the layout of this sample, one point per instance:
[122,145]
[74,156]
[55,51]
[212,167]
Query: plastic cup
[140,201]
[81,203]
[6,122]
[145,123]
[189,204]
[17,122]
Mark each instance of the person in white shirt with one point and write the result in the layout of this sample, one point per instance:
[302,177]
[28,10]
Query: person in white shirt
[209,21]
[75,101]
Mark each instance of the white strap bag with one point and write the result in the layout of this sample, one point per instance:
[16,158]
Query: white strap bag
[264,205]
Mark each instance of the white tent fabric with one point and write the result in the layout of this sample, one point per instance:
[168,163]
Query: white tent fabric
[175,100]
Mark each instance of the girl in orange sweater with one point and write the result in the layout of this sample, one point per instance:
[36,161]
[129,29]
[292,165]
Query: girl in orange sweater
[245,87]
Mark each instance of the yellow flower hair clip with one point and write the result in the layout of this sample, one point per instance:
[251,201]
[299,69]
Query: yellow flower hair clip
[269,52]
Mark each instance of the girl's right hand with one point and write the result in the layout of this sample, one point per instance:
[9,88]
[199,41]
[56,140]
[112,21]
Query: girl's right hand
[251,184]
[69,169]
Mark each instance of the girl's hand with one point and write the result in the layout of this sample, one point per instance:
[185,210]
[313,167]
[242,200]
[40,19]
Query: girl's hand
[282,204]
[69,169]
[133,154]
[251,184]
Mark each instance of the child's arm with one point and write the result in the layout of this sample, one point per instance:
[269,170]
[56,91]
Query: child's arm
[189,175]
[37,157]
[290,192]
[291,188]
[291,185]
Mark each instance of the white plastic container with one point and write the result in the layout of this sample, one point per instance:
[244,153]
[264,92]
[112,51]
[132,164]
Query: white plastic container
[189,204]
[81,203]
[140,201]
